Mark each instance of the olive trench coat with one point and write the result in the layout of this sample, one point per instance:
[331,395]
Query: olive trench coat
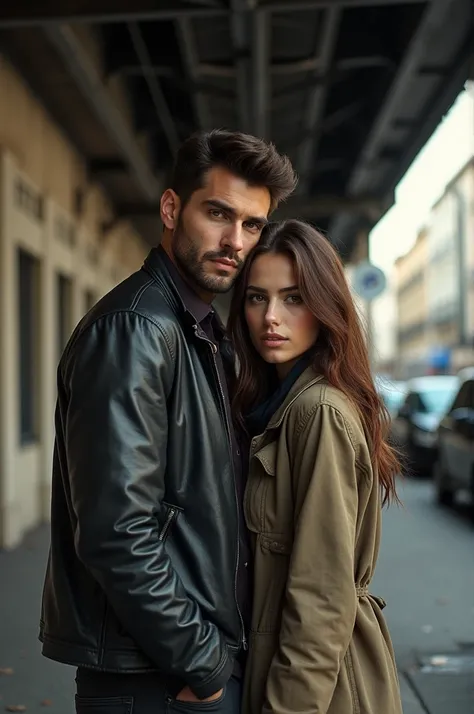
[319,643]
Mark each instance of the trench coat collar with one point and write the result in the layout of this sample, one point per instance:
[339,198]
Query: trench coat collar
[304,381]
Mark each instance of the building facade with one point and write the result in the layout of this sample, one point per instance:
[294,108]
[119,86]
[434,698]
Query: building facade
[60,251]
[412,308]
[435,286]
[450,271]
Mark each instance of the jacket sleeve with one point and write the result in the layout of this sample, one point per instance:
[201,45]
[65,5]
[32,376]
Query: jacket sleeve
[320,600]
[118,375]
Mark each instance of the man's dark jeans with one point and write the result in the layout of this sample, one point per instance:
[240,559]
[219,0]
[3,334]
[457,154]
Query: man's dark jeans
[103,693]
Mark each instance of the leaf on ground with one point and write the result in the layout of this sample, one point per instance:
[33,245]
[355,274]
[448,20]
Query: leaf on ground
[46,703]
[16,708]
[6,670]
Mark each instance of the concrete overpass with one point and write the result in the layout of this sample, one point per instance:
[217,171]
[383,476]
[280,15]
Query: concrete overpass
[350,89]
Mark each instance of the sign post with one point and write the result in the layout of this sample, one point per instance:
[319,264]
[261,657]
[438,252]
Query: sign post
[369,282]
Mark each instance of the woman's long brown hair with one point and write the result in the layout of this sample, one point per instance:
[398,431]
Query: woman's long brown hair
[341,350]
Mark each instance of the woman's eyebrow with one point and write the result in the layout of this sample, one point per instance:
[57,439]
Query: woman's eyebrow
[263,290]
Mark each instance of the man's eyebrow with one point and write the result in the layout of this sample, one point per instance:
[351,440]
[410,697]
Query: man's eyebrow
[262,290]
[222,206]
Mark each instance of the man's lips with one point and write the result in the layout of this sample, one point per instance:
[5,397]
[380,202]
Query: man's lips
[225,263]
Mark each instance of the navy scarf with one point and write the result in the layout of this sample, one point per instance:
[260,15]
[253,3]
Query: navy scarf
[257,420]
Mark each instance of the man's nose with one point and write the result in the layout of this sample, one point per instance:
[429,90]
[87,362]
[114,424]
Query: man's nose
[233,237]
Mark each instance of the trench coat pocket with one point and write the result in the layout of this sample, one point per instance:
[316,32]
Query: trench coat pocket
[272,561]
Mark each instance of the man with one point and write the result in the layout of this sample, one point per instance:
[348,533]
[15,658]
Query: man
[146,589]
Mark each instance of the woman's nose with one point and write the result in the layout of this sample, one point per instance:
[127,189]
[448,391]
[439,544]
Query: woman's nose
[272,316]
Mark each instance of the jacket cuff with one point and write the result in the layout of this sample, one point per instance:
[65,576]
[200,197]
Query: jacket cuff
[211,686]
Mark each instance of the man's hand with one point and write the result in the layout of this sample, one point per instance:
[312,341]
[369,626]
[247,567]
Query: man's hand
[187,695]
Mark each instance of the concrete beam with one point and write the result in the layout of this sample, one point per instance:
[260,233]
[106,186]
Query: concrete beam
[260,73]
[241,70]
[435,16]
[300,5]
[317,100]
[187,43]
[109,11]
[368,207]
[163,113]
[85,74]
[44,12]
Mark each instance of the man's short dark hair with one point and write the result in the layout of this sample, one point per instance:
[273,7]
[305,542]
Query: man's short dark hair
[252,159]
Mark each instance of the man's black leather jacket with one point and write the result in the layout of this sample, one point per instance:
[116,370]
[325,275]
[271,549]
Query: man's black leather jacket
[144,522]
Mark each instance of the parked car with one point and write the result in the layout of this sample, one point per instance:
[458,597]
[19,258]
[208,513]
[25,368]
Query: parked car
[415,426]
[393,393]
[454,469]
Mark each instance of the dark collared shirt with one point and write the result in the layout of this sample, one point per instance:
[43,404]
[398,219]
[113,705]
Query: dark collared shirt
[209,322]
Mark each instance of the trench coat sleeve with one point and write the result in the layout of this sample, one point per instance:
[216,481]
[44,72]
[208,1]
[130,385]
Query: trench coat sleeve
[320,600]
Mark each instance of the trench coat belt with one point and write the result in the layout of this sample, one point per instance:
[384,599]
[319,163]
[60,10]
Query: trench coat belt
[364,592]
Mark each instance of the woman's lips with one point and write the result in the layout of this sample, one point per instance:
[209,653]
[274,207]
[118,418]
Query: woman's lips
[274,341]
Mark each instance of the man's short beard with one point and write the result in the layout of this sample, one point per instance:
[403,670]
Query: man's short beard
[186,254]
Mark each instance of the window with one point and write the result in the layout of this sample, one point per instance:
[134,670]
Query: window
[28,333]
[64,308]
[437,401]
[414,402]
[465,397]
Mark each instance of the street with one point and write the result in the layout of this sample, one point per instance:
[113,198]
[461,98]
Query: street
[425,573]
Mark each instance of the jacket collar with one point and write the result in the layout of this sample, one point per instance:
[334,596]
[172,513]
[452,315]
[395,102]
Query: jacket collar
[304,381]
[191,300]
[156,266]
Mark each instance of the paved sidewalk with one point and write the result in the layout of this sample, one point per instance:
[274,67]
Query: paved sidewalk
[35,682]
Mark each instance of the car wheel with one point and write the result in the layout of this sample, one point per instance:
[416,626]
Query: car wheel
[444,495]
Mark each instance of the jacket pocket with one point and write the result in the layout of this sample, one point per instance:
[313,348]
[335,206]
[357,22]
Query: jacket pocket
[171,517]
[104,705]
[272,560]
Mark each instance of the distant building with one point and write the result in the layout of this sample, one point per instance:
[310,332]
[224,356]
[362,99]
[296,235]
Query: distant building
[450,272]
[412,309]
[435,286]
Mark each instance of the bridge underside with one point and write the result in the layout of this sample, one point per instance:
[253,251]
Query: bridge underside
[350,89]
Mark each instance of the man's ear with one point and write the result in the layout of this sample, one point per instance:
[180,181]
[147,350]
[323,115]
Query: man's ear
[170,205]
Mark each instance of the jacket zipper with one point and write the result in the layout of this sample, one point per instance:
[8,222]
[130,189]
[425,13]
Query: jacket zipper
[167,524]
[203,337]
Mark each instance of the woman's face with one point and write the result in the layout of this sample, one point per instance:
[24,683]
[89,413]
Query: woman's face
[281,327]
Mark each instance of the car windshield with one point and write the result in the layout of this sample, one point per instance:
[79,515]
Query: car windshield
[437,401]
[393,400]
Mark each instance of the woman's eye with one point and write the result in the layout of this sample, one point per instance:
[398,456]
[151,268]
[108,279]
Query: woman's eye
[253,299]
[294,299]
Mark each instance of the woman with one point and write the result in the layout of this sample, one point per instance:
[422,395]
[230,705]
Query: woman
[319,470]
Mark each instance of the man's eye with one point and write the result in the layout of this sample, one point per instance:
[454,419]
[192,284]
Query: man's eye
[216,213]
[254,227]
